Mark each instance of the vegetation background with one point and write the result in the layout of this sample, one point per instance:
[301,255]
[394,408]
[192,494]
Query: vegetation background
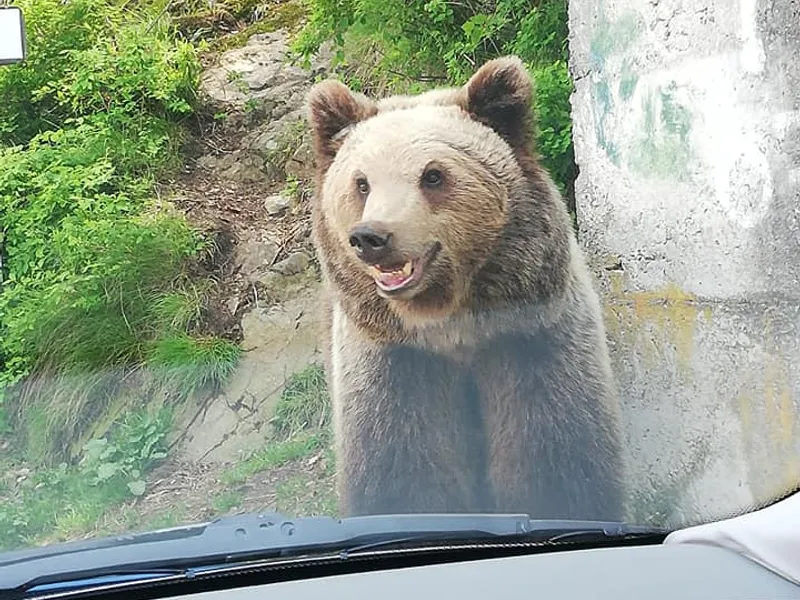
[102,281]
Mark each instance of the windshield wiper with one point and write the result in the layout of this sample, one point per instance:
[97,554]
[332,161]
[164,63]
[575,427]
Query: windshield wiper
[228,540]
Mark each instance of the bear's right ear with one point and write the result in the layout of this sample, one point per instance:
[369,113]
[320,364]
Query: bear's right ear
[332,110]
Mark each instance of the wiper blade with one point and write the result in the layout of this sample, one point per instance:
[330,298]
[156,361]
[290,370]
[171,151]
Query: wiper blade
[244,537]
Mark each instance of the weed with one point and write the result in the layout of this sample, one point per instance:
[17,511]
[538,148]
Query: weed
[301,426]
[190,364]
[286,14]
[275,454]
[302,495]
[95,275]
[137,445]
[226,501]
[251,105]
[170,518]
[304,404]
[408,46]
[291,188]
[285,145]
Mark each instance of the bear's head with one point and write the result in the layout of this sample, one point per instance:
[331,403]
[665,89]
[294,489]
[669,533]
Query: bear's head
[413,192]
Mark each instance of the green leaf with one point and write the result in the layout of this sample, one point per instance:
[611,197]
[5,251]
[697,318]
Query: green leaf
[137,487]
[106,471]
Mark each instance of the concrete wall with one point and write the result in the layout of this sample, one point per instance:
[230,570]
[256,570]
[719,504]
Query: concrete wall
[687,136]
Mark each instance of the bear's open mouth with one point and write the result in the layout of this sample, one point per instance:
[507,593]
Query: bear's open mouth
[401,277]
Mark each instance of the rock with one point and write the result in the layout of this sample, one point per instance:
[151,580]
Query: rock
[270,280]
[255,256]
[297,262]
[277,204]
[208,162]
[241,165]
[302,234]
[251,73]
[265,96]
[300,164]
[278,341]
[233,304]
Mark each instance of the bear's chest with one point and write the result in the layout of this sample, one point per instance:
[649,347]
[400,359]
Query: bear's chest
[456,339]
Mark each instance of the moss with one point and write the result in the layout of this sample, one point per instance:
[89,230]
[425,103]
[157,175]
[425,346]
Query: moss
[288,15]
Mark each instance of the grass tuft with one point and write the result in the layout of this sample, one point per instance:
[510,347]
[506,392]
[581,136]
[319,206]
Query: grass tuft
[276,454]
[191,364]
[304,404]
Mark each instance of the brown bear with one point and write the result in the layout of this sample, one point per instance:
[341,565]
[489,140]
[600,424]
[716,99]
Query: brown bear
[465,349]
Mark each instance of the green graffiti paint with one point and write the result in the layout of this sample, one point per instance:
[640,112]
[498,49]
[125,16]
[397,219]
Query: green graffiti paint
[628,81]
[601,107]
[612,36]
[609,38]
[663,148]
[677,119]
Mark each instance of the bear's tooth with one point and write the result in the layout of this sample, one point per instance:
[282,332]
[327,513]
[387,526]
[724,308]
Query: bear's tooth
[407,269]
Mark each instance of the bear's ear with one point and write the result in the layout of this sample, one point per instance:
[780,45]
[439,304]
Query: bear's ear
[332,110]
[500,95]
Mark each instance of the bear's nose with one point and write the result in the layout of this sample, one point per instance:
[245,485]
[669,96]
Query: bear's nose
[370,242]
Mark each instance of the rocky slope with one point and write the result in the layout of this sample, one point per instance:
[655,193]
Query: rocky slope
[246,181]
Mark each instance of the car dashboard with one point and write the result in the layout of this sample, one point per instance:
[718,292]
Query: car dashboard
[668,572]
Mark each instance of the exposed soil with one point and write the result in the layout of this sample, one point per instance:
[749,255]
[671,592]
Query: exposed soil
[197,493]
[229,212]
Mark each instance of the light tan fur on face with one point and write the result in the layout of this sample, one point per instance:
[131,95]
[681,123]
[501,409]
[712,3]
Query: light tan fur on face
[472,131]
[476,189]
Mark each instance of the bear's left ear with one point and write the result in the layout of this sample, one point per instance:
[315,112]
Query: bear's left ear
[500,95]
[332,109]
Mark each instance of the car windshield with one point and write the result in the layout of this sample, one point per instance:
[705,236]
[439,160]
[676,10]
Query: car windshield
[519,257]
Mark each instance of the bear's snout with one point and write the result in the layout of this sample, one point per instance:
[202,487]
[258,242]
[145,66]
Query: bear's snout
[371,241]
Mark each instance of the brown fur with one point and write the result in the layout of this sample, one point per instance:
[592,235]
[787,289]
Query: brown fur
[487,387]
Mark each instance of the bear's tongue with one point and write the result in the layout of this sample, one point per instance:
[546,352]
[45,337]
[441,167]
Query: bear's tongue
[394,279]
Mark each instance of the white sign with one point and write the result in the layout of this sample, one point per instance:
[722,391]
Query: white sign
[12,35]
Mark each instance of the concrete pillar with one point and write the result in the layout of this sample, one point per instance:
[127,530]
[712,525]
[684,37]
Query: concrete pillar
[687,137]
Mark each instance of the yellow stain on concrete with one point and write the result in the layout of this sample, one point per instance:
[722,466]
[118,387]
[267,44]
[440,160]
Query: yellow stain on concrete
[650,320]
[746,416]
[786,415]
[768,419]
[612,312]
[770,412]
[780,416]
[778,406]
[788,418]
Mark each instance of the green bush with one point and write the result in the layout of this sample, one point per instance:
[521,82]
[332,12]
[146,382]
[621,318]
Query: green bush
[86,56]
[410,45]
[94,272]
[53,29]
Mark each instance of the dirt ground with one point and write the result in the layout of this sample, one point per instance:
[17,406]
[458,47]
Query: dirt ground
[182,493]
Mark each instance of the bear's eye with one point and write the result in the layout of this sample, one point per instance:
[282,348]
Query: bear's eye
[432,178]
[363,185]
